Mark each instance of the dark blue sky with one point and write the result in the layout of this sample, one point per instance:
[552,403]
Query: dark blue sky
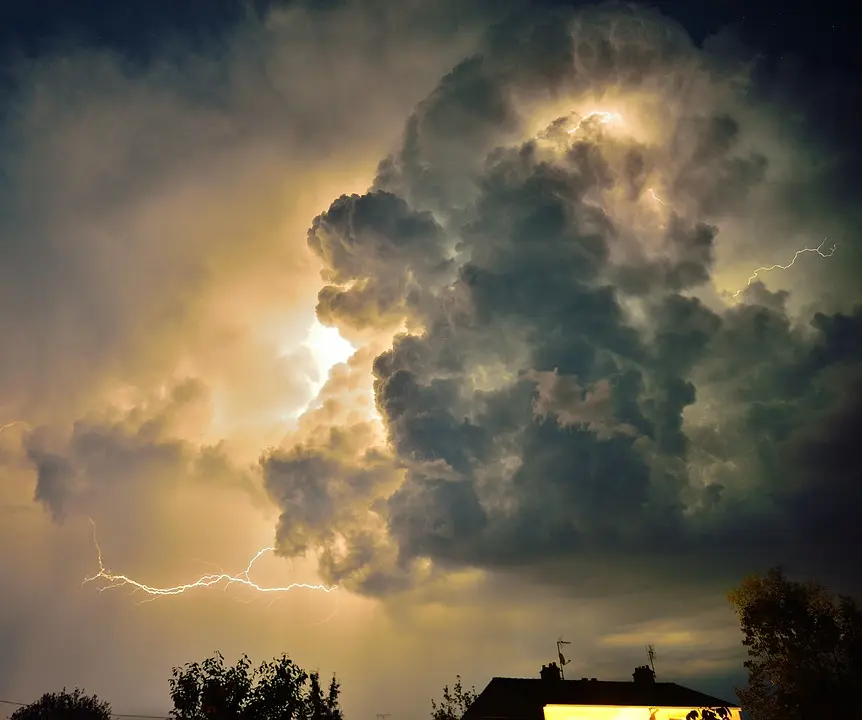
[824,34]
[133,27]
[812,48]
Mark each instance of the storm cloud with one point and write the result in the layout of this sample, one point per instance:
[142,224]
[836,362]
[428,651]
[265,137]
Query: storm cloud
[571,406]
[574,382]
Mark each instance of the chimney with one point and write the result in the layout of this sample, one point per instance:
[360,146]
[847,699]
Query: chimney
[643,675]
[550,672]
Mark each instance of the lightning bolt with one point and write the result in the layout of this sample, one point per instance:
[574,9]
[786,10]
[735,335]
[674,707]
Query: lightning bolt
[115,581]
[11,424]
[655,197]
[606,117]
[790,264]
[332,614]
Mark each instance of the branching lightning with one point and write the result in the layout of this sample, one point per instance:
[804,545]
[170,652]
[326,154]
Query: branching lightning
[115,581]
[759,270]
[756,273]
[604,117]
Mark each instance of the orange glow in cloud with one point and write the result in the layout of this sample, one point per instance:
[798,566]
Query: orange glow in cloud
[603,116]
[328,349]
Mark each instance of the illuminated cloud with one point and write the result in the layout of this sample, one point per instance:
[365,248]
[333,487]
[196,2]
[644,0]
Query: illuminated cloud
[350,286]
[157,307]
[635,412]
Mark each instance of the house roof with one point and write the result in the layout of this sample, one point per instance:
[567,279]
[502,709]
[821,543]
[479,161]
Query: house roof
[525,699]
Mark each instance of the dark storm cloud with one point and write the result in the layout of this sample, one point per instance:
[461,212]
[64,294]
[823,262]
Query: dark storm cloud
[712,176]
[570,404]
[555,381]
[389,257]
[326,490]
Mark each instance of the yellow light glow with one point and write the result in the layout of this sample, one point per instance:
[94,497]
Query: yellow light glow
[328,348]
[615,712]
[604,117]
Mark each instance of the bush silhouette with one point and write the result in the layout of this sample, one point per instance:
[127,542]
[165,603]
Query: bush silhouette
[64,705]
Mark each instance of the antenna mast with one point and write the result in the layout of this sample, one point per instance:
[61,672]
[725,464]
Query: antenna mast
[563,661]
[651,655]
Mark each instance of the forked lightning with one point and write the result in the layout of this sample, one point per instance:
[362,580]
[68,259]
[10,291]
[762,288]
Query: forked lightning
[115,581]
[790,264]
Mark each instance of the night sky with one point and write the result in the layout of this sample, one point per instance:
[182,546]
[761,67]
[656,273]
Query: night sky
[471,310]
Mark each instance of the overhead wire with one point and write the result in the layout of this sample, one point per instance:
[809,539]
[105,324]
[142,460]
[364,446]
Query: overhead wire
[113,714]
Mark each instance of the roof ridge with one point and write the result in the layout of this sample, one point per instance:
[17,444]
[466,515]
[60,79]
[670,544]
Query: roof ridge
[625,682]
[602,692]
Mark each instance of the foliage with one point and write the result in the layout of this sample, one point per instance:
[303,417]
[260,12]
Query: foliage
[65,705]
[276,690]
[718,713]
[804,647]
[454,703]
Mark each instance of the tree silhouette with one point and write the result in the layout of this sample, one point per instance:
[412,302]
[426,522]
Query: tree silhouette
[64,705]
[804,648]
[717,713]
[454,703]
[276,690]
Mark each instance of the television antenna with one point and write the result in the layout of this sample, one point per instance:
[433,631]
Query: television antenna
[563,661]
[650,651]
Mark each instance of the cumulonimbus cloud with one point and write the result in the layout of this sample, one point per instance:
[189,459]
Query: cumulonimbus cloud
[565,373]
[538,272]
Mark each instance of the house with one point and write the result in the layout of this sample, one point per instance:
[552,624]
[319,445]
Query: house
[551,698]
